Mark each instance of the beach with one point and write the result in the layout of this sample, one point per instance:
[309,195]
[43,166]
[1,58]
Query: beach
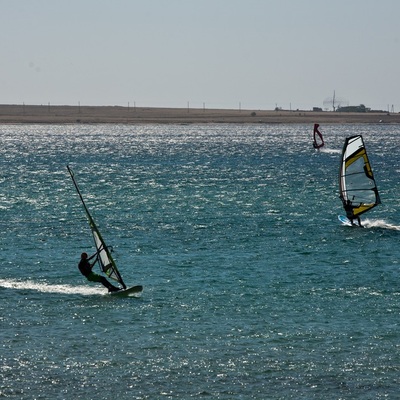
[59,114]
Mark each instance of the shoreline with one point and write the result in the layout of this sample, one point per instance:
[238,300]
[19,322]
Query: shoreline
[48,114]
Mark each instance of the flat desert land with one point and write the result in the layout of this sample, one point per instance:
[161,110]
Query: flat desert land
[48,114]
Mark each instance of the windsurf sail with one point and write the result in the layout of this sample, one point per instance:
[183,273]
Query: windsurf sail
[358,190]
[104,258]
[318,139]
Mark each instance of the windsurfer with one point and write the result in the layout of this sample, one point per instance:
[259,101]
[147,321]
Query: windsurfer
[317,133]
[85,267]
[348,207]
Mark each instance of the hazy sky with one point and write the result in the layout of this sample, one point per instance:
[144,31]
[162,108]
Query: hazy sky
[218,53]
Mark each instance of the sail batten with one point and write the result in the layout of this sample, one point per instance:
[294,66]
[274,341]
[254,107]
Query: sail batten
[358,189]
[104,259]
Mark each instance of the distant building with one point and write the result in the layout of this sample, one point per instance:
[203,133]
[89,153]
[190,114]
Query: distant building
[317,109]
[360,109]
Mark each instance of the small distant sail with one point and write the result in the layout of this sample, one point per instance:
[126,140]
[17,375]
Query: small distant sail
[318,139]
[105,260]
[357,184]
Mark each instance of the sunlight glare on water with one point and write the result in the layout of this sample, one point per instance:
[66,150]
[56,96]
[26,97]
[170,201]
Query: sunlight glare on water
[252,288]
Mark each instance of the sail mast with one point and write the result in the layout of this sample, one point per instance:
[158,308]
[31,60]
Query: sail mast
[80,196]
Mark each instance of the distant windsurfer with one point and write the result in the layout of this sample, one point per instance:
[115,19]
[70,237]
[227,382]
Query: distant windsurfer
[319,134]
[348,207]
[85,267]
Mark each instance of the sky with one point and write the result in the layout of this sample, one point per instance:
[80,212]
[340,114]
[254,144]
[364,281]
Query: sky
[248,54]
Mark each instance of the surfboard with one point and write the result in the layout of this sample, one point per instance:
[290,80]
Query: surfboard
[344,220]
[131,291]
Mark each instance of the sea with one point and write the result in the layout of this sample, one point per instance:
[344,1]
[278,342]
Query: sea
[253,289]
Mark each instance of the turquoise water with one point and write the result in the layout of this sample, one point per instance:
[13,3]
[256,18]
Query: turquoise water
[252,288]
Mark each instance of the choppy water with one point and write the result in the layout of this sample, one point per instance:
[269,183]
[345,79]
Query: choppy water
[252,288]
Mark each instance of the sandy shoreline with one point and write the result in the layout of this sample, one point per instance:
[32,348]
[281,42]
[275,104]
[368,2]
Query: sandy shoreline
[48,114]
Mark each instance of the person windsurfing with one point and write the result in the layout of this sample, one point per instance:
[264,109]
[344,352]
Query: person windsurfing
[85,267]
[318,134]
[348,207]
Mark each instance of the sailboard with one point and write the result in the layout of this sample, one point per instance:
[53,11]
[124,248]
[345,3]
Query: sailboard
[130,291]
[105,260]
[318,138]
[345,221]
[358,189]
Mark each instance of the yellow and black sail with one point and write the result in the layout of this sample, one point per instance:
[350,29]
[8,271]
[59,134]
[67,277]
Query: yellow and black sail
[357,184]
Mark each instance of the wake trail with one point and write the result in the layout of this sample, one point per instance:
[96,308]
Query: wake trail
[380,223]
[330,151]
[47,288]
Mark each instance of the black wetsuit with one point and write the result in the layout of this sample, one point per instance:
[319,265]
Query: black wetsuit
[86,270]
[348,207]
